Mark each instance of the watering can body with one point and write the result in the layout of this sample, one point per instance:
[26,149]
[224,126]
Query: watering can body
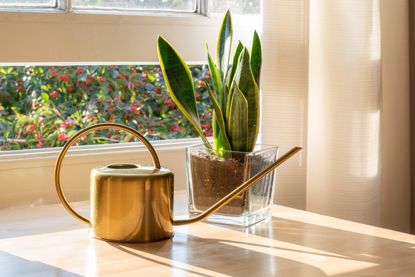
[133,203]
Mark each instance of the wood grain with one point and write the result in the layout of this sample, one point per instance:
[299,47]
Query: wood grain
[46,241]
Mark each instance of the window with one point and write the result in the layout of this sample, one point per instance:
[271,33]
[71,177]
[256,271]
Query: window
[93,38]
[42,106]
[215,6]
[28,3]
[245,7]
[150,5]
[33,5]
[88,36]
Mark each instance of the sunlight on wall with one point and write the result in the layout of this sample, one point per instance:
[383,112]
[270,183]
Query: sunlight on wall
[343,177]
[365,136]
[374,49]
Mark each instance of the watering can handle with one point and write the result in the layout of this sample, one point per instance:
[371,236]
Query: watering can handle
[74,138]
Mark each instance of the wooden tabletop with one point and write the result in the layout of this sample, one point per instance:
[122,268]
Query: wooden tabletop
[46,241]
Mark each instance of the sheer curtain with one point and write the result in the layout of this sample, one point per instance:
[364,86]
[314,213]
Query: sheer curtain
[336,82]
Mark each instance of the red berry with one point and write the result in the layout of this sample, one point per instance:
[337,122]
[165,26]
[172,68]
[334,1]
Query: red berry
[31,128]
[202,85]
[39,144]
[53,94]
[175,128]
[64,78]
[62,137]
[169,103]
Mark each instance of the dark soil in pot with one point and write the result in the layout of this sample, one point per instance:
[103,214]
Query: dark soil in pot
[213,178]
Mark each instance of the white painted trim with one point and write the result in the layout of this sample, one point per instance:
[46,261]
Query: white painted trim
[88,38]
[36,158]
[85,150]
[61,6]
[49,38]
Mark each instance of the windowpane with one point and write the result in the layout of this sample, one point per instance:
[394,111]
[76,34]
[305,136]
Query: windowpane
[171,5]
[236,6]
[27,3]
[42,106]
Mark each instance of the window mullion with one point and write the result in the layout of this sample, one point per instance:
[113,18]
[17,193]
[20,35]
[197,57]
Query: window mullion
[66,5]
[202,7]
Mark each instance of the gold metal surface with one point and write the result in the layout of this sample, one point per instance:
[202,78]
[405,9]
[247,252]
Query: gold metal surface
[137,177]
[132,204]
[246,185]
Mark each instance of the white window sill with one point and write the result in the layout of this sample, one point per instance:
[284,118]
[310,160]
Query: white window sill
[7,158]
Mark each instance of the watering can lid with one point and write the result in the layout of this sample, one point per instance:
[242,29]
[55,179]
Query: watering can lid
[132,170]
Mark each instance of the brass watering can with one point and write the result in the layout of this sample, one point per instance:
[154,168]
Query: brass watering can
[133,203]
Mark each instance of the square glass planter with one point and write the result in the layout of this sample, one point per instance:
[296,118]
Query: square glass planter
[209,178]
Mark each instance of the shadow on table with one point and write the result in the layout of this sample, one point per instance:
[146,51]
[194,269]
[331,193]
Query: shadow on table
[12,266]
[389,255]
[209,257]
[346,252]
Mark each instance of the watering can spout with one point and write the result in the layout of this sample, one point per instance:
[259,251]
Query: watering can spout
[243,187]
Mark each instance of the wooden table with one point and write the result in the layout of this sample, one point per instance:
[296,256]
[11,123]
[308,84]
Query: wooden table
[46,241]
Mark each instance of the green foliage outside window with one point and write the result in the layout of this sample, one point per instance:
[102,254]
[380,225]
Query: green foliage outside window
[42,106]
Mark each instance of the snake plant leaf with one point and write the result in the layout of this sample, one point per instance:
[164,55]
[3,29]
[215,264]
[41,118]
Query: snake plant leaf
[238,51]
[238,120]
[224,42]
[222,139]
[246,83]
[218,86]
[216,79]
[179,84]
[256,57]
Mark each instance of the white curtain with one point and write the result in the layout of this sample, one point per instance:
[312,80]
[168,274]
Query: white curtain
[336,82]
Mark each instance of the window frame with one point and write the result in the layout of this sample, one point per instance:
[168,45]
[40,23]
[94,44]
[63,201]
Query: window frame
[65,6]
[101,38]
[60,7]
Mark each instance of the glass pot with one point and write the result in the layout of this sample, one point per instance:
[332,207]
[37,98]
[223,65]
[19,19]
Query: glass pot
[209,178]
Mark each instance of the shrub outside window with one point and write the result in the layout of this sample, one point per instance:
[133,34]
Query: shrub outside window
[42,106]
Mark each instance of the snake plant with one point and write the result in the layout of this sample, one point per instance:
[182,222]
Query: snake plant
[234,95]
